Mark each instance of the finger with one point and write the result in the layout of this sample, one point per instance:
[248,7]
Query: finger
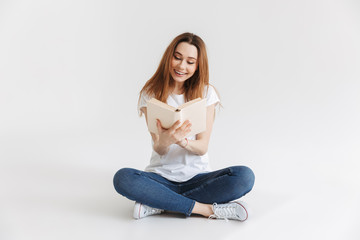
[187,124]
[184,125]
[158,125]
[185,132]
[175,125]
[189,127]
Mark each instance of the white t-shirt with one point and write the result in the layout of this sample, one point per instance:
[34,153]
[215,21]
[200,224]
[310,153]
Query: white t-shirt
[179,164]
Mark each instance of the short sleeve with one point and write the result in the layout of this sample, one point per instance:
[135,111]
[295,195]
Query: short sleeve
[211,96]
[143,101]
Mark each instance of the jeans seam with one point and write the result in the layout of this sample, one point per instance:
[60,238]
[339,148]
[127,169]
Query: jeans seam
[191,208]
[208,178]
[185,194]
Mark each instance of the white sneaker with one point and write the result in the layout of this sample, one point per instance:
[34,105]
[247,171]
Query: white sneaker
[141,211]
[233,210]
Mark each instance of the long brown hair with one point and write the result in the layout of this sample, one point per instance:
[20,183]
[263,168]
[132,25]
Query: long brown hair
[161,83]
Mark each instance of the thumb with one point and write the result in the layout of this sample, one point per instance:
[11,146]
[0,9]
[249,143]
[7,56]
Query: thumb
[158,125]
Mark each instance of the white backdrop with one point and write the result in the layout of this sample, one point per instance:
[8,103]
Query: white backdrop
[70,73]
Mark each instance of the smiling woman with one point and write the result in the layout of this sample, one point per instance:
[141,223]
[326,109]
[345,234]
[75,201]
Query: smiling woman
[179,177]
[183,65]
[184,50]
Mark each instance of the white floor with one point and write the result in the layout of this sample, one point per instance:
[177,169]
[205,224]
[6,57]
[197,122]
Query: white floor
[60,187]
[288,76]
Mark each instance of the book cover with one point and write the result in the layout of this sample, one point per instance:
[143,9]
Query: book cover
[194,111]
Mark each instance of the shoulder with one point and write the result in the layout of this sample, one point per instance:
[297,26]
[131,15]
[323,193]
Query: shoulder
[209,89]
[211,95]
[144,96]
[142,103]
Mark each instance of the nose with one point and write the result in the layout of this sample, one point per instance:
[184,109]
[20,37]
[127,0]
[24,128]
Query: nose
[182,64]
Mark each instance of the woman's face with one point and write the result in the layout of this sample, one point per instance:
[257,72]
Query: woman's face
[184,62]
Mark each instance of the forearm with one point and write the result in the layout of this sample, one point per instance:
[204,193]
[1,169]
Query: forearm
[161,148]
[198,147]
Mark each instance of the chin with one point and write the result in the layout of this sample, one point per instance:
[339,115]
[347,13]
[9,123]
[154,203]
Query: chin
[179,79]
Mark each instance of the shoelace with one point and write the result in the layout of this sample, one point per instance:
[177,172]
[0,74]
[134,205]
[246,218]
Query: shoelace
[150,210]
[224,212]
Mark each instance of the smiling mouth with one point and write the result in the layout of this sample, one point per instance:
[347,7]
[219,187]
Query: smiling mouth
[179,73]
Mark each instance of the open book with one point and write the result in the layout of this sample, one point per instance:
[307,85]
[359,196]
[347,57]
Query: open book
[194,111]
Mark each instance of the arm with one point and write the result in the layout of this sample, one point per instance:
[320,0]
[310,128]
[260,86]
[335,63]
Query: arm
[200,145]
[166,137]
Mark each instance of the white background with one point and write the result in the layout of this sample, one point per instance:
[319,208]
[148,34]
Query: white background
[288,73]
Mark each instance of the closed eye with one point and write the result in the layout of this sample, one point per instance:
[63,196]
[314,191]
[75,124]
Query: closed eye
[179,58]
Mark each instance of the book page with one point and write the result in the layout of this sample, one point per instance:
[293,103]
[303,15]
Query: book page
[189,103]
[160,104]
[167,116]
[196,114]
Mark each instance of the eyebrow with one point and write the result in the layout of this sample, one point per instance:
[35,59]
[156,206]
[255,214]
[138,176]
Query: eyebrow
[188,57]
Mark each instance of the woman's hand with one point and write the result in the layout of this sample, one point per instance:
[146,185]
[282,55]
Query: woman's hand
[174,134]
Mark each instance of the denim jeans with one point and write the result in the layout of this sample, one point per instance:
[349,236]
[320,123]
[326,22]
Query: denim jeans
[151,189]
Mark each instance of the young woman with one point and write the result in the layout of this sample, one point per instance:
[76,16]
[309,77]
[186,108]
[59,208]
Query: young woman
[179,177]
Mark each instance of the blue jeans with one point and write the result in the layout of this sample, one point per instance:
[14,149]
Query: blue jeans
[151,189]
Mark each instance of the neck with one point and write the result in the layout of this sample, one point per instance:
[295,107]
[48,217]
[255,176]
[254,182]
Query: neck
[178,88]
